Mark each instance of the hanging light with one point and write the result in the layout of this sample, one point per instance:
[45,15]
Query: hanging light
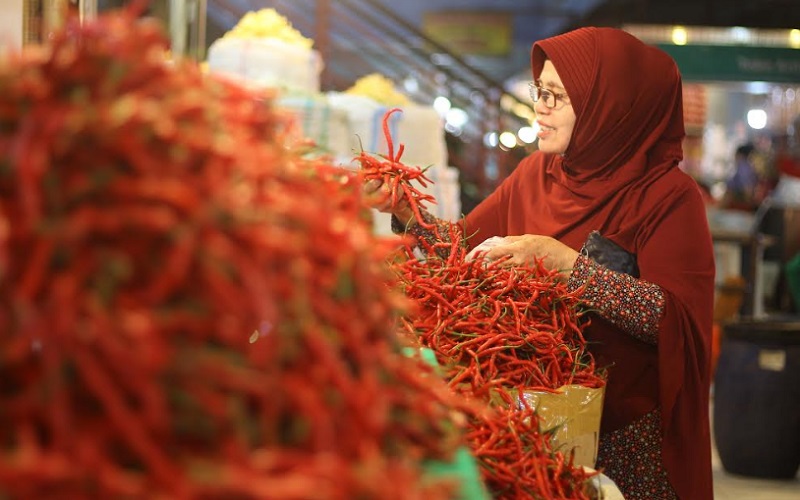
[679,35]
[794,39]
[757,118]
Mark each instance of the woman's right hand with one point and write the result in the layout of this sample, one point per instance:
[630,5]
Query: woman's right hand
[378,196]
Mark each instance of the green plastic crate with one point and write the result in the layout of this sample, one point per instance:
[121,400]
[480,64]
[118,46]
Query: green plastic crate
[463,468]
[793,279]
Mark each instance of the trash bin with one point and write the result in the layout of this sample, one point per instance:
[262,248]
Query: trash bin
[757,398]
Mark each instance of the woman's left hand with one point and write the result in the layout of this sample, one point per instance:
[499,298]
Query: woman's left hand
[525,249]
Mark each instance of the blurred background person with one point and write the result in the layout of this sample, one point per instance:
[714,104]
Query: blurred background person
[741,187]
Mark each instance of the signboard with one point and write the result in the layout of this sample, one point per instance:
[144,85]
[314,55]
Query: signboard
[470,32]
[736,63]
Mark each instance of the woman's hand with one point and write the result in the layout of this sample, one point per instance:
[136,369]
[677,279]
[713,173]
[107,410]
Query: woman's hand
[378,196]
[525,249]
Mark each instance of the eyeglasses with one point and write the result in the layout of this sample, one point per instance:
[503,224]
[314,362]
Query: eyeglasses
[550,98]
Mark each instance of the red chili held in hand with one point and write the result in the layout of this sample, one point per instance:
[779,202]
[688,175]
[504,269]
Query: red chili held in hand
[391,172]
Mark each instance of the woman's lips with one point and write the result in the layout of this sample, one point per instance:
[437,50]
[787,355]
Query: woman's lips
[544,130]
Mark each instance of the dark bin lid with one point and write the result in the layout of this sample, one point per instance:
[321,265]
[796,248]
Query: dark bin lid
[773,329]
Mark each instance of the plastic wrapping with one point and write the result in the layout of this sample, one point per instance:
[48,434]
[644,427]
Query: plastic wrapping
[573,415]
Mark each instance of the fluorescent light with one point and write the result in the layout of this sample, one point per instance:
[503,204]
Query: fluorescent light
[757,118]
[794,39]
[740,34]
[679,35]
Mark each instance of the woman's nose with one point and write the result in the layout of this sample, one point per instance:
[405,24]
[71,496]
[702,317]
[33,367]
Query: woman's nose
[540,108]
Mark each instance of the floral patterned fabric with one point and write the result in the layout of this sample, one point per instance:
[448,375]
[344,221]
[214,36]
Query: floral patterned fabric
[631,304]
[631,457]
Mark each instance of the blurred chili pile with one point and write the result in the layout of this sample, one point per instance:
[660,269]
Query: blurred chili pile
[496,331]
[187,308]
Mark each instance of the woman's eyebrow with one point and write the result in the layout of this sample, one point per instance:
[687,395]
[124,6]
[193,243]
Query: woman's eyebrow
[549,84]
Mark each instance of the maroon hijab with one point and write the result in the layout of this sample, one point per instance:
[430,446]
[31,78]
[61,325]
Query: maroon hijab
[619,175]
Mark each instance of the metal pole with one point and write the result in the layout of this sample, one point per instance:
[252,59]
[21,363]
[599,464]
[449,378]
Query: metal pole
[323,38]
[177,27]
[200,41]
[87,10]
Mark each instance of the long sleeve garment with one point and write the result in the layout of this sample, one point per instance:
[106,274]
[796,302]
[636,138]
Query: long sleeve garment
[669,235]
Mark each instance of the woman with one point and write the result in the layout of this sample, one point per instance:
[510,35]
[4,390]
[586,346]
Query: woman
[609,110]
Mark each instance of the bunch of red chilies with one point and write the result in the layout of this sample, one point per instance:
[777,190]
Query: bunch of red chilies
[395,175]
[187,309]
[495,330]
[497,326]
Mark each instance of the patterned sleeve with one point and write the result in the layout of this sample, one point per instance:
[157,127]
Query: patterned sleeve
[425,238]
[632,304]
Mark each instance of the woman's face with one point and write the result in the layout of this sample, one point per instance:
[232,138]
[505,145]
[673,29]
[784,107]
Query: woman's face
[555,124]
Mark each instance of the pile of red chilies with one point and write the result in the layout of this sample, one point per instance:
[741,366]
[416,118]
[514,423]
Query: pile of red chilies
[517,460]
[496,330]
[497,326]
[186,309]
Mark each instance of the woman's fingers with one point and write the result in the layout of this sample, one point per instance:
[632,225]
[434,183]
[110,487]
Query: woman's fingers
[376,195]
[371,186]
[497,253]
[379,196]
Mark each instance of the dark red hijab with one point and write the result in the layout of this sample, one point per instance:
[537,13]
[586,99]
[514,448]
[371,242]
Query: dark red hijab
[619,175]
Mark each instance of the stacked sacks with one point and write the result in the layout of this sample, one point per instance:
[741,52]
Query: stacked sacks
[264,51]
[419,128]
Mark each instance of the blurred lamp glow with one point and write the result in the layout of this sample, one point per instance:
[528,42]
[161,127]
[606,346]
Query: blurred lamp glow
[508,139]
[456,117]
[794,39]
[441,104]
[528,134]
[411,85]
[740,34]
[757,118]
[679,35]
[490,139]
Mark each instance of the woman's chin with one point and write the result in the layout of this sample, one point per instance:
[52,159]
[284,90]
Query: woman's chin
[549,147]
